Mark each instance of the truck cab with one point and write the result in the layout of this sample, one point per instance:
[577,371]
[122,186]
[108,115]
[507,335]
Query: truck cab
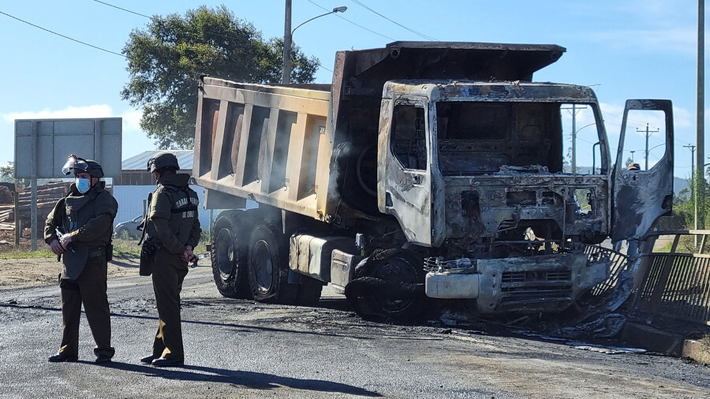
[477,170]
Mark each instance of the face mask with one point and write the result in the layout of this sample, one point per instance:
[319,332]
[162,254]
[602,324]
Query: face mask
[82,185]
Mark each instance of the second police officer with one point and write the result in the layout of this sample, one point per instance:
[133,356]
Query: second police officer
[172,230]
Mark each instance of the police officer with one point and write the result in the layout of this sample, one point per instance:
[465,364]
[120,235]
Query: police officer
[172,230]
[79,230]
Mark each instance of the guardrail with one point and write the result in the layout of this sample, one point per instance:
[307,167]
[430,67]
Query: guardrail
[673,283]
[618,265]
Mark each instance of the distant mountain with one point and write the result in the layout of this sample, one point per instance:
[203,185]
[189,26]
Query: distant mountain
[679,183]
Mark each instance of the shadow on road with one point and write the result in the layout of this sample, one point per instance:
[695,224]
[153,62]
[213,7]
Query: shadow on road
[125,262]
[242,378]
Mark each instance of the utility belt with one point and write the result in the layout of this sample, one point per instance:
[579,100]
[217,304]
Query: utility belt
[147,262]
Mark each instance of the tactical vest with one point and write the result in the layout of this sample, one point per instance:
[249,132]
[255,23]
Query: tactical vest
[183,211]
[77,212]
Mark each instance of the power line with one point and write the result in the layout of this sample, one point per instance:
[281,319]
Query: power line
[63,36]
[123,9]
[358,25]
[394,22]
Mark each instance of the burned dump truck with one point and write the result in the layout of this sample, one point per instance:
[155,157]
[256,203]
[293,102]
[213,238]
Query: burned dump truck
[424,170]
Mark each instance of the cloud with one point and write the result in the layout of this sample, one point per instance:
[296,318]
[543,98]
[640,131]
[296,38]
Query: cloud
[131,120]
[131,117]
[91,111]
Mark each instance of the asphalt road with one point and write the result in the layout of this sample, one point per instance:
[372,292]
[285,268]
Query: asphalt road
[239,348]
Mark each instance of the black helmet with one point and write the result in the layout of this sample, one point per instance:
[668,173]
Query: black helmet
[95,170]
[162,160]
[89,166]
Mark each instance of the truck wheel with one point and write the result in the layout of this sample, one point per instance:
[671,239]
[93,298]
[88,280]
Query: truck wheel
[229,256]
[388,286]
[268,266]
[309,291]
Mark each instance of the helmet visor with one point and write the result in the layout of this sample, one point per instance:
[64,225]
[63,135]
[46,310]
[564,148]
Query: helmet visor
[74,164]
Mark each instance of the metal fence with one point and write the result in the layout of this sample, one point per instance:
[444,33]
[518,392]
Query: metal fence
[618,265]
[674,280]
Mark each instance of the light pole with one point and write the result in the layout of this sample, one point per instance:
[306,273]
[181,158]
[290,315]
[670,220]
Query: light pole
[574,141]
[288,34]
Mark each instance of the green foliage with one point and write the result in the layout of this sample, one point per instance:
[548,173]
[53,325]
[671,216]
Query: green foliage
[7,174]
[684,203]
[166,60]
[25,252]
[126,249]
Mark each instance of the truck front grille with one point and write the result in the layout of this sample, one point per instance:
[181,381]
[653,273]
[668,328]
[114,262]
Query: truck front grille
[521,277]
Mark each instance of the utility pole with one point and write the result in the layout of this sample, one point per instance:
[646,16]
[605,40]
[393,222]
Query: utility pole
[286,72]
[632,154]
[574,110]
[288,38]
[692,160]
[574,138]
[700,133]
[647,133]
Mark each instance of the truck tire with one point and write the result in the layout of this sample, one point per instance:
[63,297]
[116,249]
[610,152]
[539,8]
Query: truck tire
[229,255]
[268,266]
[388,286]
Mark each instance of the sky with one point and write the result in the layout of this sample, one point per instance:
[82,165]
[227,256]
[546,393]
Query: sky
[622,49]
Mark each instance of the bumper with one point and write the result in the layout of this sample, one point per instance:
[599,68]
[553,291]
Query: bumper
[532,284]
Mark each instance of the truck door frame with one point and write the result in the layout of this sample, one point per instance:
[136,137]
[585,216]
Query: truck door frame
[640,197]
[410,194]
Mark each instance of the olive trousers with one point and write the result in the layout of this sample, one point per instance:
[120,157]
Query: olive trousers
[90,290]
[168,274]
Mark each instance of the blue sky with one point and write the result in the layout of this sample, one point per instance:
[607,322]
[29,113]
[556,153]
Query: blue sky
[623,49]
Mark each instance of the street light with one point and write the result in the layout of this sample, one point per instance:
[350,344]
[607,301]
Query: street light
[288,33]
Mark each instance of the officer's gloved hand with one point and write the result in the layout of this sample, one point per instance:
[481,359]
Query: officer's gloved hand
[188,256]
[56,247]
[66,240]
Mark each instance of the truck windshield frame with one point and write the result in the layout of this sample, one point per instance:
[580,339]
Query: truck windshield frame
[473,137]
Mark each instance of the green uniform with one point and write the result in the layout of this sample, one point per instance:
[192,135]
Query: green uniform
[172,224]
[88,218]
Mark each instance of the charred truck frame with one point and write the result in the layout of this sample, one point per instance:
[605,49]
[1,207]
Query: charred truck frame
[430,169]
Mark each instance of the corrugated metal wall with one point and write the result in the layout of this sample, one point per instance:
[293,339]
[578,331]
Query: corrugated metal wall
[130,202]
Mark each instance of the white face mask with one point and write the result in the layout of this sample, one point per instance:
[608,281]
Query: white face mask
[83,185]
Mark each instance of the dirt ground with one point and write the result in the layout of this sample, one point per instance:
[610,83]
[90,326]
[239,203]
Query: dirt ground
[18,273]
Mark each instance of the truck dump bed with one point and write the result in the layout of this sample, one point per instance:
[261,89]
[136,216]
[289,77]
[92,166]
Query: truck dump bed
[301,148]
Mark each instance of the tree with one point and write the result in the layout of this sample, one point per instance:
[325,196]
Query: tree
[7,173]
[166,60]
[684,202]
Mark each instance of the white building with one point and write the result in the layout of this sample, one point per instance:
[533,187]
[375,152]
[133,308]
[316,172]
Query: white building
[136,182]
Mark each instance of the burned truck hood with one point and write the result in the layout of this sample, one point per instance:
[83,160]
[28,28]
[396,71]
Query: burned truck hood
[553,205]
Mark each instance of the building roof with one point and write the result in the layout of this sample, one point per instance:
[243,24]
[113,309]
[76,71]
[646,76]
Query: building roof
[139,162]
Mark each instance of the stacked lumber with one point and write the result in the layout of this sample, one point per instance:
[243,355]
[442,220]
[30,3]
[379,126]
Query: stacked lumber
[47,195]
